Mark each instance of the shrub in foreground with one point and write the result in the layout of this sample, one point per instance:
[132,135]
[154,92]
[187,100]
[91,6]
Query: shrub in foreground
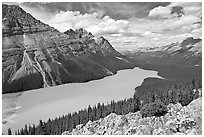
[156,108]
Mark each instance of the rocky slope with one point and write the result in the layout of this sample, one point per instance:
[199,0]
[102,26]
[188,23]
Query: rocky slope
[189,51]
[178,121]
[35,55]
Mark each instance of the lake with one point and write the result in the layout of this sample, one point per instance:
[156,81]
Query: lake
[31,106]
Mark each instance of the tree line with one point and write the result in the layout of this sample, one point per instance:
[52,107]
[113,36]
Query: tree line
[183,93]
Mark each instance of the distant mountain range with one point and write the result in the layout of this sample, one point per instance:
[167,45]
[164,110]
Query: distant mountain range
[188,52]
[35,55]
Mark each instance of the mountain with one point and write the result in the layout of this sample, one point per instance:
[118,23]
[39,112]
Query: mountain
[188,52]
[35,55]
[178,121]
[78,33]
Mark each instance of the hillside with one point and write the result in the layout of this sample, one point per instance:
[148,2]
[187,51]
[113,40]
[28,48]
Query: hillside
[186,120]
[35,55]
[188,52]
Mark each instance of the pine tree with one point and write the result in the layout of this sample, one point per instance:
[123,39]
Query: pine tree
[41,128]
[98,111]
[199,84]
[9,132]
[18,132]
[33,130]
[25,130]
[193,84]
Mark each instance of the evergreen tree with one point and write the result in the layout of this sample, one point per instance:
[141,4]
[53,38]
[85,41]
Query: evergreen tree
[18,132]
[9,132]
[193,84]
[199,84]
[33,130]
[25,131]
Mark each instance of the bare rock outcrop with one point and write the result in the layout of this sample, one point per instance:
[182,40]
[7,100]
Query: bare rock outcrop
[179,120]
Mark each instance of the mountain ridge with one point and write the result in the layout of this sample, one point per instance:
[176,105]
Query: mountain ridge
[188,52]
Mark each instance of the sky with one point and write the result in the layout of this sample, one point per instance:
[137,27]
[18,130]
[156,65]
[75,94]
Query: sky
[127,26]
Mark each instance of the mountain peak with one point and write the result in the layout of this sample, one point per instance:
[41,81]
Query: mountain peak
[78,33]
[16,21]
[189,40]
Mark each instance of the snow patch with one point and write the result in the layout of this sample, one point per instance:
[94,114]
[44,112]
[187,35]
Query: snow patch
[122,59]
[197,48]
[108,71]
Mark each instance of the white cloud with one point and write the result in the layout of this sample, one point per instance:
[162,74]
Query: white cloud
[192,10]
[155,39]
[146,33]
[160,12]
[197,33]
[191,27]
[91,22]
[144,26]
[108,26]
[176,23]
[189,8]
[173,24]
[116,35]
[181,36]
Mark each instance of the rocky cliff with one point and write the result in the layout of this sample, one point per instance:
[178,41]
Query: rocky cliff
[35,55]
[178,121]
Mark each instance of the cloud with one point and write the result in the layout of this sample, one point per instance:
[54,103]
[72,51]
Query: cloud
[179,8]
[115,10]
[186,4]
[91,22]
[178,18]
[189,8]
[126,25]
[181,36]
[146,33]
[160,11]
[155,39]
[176,23]
[197,33]
[108,25]
[115,35]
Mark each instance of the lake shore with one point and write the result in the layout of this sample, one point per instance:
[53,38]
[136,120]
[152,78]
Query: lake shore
[117,87]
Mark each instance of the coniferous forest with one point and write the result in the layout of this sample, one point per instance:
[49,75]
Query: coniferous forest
[183,93]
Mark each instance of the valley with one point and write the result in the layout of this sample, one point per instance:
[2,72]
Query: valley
[176,62]
[52,80]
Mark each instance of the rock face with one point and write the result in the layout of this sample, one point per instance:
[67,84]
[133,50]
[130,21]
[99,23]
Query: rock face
[178,121]
[16,21]
[78,33]
[35,55]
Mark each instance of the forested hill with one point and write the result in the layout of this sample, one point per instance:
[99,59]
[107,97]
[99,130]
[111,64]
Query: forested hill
[152,104]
